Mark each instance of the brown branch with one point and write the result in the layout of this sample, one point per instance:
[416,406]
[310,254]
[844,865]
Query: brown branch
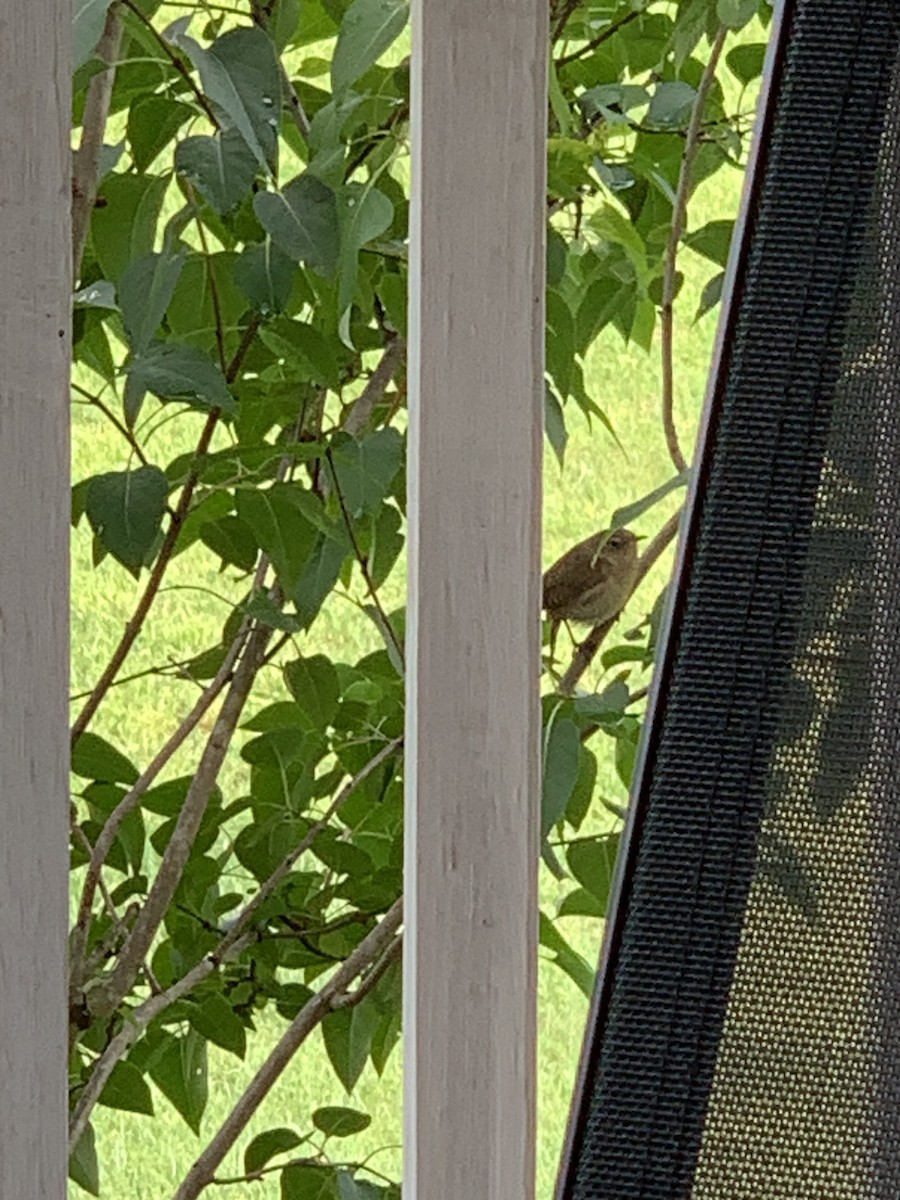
[369,951]
[176,62]
[608,32]
[114,420]
[86,160]
[390,956]
[679,221]
[104,998]
[562,21]
[382,377]
[132,799]
[586,652]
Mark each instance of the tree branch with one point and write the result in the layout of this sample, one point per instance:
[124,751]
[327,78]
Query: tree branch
[132,799]
[370,950]
[86,160]
[382,377]
[679,221]
[103,999]
[607,33]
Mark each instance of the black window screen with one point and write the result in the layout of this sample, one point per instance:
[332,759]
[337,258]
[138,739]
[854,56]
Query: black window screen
[745,1035]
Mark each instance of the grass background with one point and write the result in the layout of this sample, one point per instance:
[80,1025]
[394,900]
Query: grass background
[144,1159]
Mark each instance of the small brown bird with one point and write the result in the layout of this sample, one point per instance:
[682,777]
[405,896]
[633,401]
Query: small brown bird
[591,582]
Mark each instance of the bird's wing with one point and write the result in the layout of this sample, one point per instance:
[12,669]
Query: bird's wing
[574,573]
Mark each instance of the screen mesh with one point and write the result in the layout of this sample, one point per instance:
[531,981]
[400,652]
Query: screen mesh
[746,1032]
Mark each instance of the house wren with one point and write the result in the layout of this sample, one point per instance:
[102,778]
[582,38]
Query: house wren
[592,581]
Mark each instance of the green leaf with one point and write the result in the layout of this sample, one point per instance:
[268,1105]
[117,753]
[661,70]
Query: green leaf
[94,758]
[368,28]
[153,121]
[125,509]
[303,221]
[593,863]
[565,957]
[364,213]
[348,1037]
[100,294]
[173,371]
[340,1122]
[713,241]
[387,543]
[123,228]
[145,289]
[127,1089]
[324,356]
[232,539]
[614,227]
[281,527]
[88,19]
[221,167]
[308,1182]
[710,296]
[671,104]
[266,1145]
[283,21]
[562,749]
[180,1073]
[736,13]
[217,1021]
[241,78]
[746,62]
[623,517]
[313,682]
[367,468]
[265,275]
[581,903]
[83,1166]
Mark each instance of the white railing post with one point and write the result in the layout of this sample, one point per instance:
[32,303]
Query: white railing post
[34,594]
[476,341]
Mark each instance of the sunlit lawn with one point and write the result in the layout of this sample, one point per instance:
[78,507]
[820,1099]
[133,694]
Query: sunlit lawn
[143,1159]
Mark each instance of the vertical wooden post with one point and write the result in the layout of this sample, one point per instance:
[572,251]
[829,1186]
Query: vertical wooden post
[475,388]
[35,287]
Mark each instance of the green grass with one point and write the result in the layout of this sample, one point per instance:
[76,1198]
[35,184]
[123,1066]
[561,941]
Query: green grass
[143,1159]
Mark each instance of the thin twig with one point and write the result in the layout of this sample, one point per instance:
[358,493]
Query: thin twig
[586,652]
[135,624]
[114,420]
[363,561]
[369,951]
[679,221]
[213,285]
[175,61]
[568,8]
[86,160]
[608,32]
